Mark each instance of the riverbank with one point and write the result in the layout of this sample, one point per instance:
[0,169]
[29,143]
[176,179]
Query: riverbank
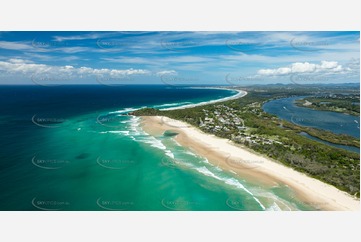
[254,167]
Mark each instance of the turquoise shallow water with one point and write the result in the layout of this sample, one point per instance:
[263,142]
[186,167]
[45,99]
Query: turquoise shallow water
[124,168]
[103,160]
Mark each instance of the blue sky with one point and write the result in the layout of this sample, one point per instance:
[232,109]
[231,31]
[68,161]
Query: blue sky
[175,58]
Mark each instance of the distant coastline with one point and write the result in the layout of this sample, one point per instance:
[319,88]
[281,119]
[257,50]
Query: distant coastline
[240,93]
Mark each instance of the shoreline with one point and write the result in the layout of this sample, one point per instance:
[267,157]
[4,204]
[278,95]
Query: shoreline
[254,167]
[240,93]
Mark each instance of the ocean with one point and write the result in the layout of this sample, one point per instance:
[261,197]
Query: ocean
[70,148]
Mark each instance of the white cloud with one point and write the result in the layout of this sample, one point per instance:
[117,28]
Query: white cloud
[48,46]
[13,45]
[305,67]
[47,74]
[72,50]
[83,36]
[171,72]
[299,67]
[19,61]
[19,66]
[329,64]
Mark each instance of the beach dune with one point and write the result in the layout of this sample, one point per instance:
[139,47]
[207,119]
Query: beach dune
[252,166]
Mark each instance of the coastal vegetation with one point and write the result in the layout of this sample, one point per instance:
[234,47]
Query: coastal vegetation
[348,104]
[244,122]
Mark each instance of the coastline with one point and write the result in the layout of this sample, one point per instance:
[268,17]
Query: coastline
[252,166]
[240,93]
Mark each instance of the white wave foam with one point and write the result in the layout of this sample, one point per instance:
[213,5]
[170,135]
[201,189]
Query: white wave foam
[152,141]
[278,203]
[114,132]
[124,132]
[125,110]
[190,153]
[139,135]
[207,172]
[230,181]
[175,142]
[170,104]
[274,207]
[235,183]
[218,168]
[169,153]
[205,160]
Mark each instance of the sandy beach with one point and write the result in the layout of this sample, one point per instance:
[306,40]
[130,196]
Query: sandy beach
[252,166]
